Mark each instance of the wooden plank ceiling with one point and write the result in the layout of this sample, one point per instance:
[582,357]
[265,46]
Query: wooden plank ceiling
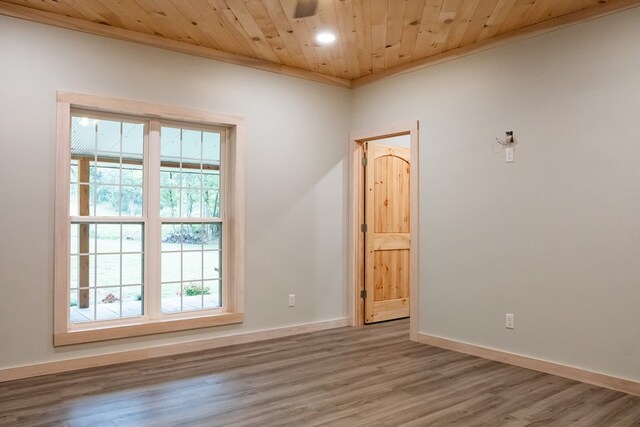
[375,37]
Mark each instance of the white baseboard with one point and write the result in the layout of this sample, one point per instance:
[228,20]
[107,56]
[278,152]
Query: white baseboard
[577,374]
[34,370]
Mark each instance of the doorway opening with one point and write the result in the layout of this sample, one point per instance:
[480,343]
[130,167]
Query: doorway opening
[383,237]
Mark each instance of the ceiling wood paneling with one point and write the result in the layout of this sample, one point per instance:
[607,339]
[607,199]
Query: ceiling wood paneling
[376,38]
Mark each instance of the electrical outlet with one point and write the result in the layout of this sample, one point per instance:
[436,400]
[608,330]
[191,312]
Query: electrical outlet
[510,321]
[292,300]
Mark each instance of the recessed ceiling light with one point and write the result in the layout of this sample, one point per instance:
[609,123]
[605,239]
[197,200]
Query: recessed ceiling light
[325,37]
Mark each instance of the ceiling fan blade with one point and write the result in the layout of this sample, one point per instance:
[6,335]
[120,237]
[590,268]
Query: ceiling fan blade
[305,8]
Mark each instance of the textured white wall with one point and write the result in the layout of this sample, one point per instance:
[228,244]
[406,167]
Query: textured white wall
[554,237]
[296,144]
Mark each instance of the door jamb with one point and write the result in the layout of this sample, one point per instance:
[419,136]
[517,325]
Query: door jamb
[356,216]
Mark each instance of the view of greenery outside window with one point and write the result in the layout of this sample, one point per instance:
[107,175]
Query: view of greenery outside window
[106,207]
[110,216]
[190,208]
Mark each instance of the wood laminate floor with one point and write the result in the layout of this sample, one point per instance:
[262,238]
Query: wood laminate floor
[370,376]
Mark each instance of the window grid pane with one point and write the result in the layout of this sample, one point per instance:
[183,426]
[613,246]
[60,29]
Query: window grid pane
[106,271]
[189,173]
[191,266]
[106,167]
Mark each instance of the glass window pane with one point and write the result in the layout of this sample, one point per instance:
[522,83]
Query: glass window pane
[132,237]
[83,146]
[83,135]
[86,274]
[211,179]
[80,200]
[108,270]
[85,171]
[212,298]
[107,172]
[92,169]
[85,237]
[192,237]
[73,242]
[191,144]
[82,305]
[132,301]
[132,174]
[132,268]
[73,272]
[171,267]
[171,237]
[190,203]
[82,271]
[169,143]
[191,176]
[108,238]
[73,298]
[169,203]
[93,274]
[211,147]
[192,265]
[131,201]
[107,200]
[108,136]
[108,303]
[73,200]
[212,235]
[192,294]
[73,172]
[82,206]
[171,299]
[211,203]
[133,139]
[97,159]
[211,264]
[82,274]
[169,176]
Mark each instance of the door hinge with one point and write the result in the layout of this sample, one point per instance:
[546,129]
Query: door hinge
[364,161]
[363,228]
[363,294]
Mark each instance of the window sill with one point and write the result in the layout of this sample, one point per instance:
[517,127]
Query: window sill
[145,328]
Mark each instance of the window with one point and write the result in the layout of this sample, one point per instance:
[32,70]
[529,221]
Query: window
[191,263]
[149,220]
[106,204]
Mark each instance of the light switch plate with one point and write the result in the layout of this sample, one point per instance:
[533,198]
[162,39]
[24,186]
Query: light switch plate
[508,154]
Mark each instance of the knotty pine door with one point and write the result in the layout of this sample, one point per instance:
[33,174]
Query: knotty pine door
[387,241]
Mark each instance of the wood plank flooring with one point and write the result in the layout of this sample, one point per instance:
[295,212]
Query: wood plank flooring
[370,376]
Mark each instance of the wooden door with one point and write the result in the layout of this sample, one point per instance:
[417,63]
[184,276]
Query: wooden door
[387,241]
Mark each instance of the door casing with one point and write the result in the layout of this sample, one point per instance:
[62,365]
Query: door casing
[356,218]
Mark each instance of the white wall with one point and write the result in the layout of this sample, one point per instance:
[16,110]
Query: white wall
[554,237]
[295,178]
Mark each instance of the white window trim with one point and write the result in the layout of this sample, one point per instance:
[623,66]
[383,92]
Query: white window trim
[233,218]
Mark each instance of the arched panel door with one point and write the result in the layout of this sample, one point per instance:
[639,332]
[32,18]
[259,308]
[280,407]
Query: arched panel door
[387,241]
